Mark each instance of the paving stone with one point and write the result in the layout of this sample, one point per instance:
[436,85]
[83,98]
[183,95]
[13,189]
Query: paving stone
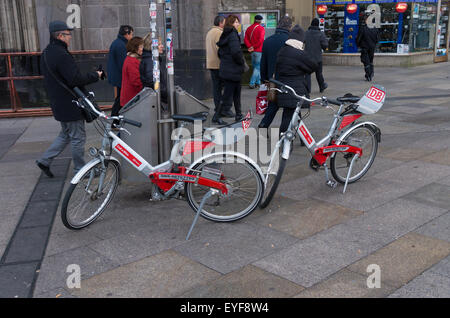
[306,218]
[69,240]
[404,154]
[405,258]
[53,273]
[237,245]
[442,268]
[16,280]
[427,285]
[434,194]
[395,219]
[160,276]
[47,190]
[28,244]
[345,284]
[440,157]
[39,214]
[438,228]
[248,282]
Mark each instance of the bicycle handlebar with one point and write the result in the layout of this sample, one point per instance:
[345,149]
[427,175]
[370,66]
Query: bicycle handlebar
[101,114]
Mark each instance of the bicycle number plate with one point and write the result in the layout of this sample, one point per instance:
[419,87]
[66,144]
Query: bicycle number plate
[211,174]
[373,100]
[306,135]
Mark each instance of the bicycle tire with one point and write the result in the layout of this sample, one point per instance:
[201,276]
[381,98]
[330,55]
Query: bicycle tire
[340,162]
[73,207]
[233,206]
[272,184]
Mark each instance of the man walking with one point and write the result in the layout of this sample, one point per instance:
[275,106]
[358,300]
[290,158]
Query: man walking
[116,58]
[213,63]
[367,40]
[316,42]
[254,40]
[61,74]
[270,49]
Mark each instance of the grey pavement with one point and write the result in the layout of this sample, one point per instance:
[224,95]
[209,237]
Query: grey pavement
[312,241]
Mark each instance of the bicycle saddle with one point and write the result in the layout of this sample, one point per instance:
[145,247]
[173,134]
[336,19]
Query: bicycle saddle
[349,98]
[203,116]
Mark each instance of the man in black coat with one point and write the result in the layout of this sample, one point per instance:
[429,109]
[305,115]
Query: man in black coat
[58,66]
[271,47]
[116,58]
[293,63]
[316,42]
[367,40]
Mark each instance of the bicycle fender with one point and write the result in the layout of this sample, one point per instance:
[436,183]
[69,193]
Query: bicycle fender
[367,123]
[89,166]
[237,154]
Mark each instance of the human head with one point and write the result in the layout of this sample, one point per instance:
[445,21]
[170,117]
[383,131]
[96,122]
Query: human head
[297,33]
[285,23]
[59,30]
[232,22]
[126,31]
[258,18]
[219,21]
[135,45]
[315,22]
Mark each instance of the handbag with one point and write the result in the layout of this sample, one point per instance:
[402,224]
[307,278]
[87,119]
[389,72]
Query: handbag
[88,115]
[272,93]
[261,100]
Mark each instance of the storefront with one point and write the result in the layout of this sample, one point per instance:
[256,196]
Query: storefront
[408,28]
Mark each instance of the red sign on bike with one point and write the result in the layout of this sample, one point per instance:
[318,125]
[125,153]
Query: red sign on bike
[376,94]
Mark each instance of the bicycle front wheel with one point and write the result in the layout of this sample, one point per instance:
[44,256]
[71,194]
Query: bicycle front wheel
[244,183]
[85,201]
[273,177]
[362,137]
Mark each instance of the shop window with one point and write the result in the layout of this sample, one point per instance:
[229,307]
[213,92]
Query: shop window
[32,93]
[334,28]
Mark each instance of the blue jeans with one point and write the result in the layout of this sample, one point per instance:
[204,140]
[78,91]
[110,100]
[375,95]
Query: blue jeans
[256,63]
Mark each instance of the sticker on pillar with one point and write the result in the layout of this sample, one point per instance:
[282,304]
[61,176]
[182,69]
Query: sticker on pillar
[153,6]
[170,69]
[153,14]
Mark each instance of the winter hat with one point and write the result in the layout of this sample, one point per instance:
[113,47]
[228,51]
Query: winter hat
[297,33]
[258,18]
[315,22]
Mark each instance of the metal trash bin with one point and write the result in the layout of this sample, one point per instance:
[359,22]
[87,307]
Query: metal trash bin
[144,140]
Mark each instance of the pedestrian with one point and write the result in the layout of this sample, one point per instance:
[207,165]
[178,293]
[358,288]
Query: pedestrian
[254,39]
[316,43]
[293,63]
[270,50]
[116,58]
[213,62]
[232,66]
[367,40]
[131,77]
[61,75]
[146,68]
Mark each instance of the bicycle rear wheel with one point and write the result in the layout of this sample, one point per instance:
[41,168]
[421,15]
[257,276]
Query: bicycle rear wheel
[245,189]
[362,137]
[273,178]
[83,204]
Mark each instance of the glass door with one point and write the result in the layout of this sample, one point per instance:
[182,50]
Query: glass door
[442,32]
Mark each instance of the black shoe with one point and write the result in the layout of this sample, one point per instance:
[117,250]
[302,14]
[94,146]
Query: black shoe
[239,117]
[227,114]
[219,121]
[251,86]
[45,169]
[324,87]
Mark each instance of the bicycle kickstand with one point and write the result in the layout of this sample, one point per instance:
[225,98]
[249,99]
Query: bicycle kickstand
[331,183]
[210,193]
[350,172]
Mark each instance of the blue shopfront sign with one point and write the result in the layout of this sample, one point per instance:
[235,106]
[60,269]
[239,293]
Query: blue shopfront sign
[369,1]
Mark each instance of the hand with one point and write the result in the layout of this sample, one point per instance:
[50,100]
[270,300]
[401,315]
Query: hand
[251,49]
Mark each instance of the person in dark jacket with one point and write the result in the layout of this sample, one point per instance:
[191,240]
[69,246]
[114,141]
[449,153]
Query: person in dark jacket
[146,68]
[316,42]
[367,40]
[62,68]
[292,65]
[232,66]
[116,58]
[271,47]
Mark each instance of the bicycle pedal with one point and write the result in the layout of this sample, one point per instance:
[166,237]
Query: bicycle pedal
[314,165]
[332,184]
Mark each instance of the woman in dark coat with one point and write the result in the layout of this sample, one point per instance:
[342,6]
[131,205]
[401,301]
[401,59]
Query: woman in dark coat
[293,63]
[232,66]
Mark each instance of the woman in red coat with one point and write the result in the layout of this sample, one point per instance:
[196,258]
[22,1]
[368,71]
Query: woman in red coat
[131,78]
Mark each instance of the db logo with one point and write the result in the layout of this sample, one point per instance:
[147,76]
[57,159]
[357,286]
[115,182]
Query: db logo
[376,94]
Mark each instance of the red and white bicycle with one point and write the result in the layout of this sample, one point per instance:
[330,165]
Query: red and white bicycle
[222,187]
[350,146]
